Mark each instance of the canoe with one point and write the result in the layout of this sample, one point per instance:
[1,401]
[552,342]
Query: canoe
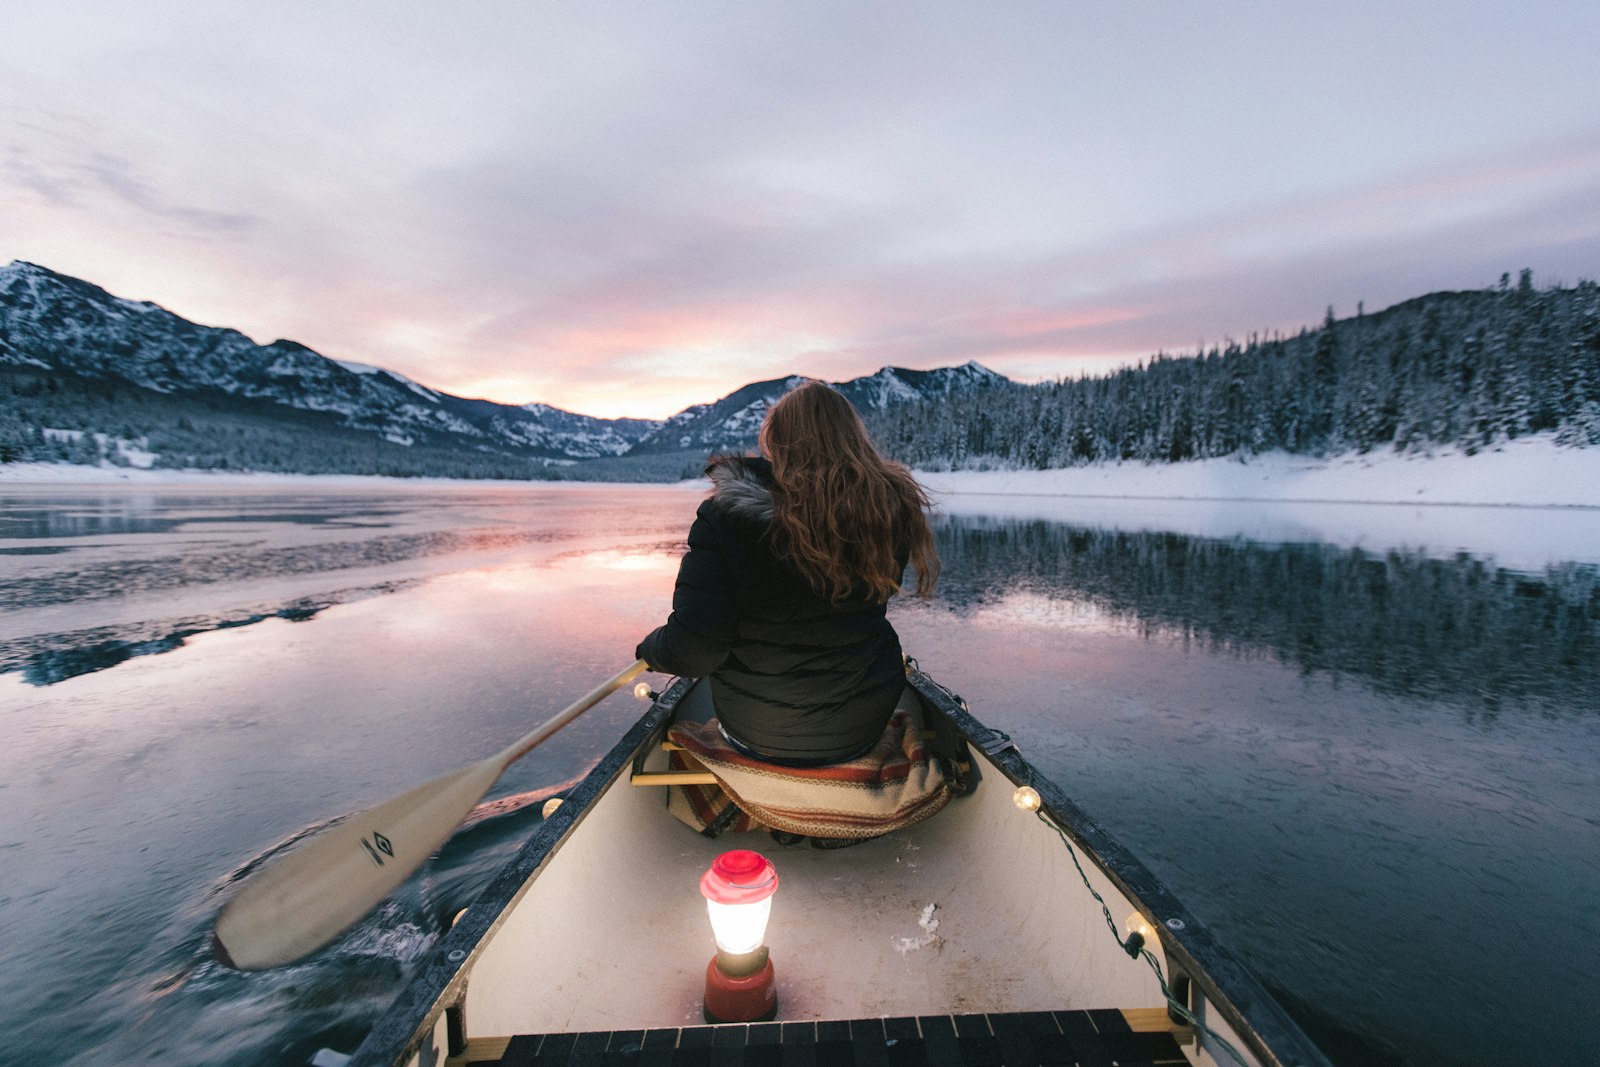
[987,934]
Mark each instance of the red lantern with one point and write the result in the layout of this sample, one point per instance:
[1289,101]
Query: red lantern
[739,979]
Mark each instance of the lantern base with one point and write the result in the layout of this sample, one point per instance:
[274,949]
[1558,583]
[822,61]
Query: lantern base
[751,998]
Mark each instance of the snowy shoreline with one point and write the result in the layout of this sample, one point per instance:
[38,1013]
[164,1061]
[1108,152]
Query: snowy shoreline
[1527,473]
[1526,504]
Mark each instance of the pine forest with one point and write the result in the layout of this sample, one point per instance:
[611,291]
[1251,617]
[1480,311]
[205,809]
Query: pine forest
[1463,369]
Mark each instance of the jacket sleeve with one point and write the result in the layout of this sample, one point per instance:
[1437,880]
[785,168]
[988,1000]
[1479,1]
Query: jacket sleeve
[704,622]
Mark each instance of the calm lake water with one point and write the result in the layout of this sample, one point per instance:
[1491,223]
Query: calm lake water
[1371,772]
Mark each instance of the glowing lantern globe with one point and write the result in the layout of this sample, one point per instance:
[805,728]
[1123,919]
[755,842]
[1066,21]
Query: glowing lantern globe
[739,979]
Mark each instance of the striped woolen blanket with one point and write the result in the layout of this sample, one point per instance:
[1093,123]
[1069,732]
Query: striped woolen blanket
[894,785]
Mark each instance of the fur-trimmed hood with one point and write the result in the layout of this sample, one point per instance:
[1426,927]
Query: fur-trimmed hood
[742,485]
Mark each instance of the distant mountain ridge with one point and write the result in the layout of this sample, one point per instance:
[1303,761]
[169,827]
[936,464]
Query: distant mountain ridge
[86,377]
[732,423]
[66,328]
[56,322]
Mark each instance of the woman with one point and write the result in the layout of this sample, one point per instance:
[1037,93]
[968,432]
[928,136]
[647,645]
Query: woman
[781,600]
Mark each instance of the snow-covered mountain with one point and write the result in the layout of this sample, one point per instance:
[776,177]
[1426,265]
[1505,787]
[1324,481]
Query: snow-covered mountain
[731,424]
[56,327]
[51,321]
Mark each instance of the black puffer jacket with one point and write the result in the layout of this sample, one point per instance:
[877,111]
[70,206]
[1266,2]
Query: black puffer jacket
[792,675]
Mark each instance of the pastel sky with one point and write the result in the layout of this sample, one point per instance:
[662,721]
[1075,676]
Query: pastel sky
[625,208]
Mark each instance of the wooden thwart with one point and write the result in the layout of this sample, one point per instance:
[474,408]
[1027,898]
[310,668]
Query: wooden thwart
[1156,1020]
[673,778]
[480,1050]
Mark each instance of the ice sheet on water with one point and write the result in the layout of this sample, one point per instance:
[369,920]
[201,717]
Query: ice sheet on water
[233,563]
[46,659]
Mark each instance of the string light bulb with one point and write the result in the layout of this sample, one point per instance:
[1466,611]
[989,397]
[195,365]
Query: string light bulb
[1140,933]
[642,691]
[1027,798]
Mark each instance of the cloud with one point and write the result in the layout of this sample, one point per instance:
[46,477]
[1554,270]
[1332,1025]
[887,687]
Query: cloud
[1272,268]
[121,179]
[683,296]
[57,157]
[594,208]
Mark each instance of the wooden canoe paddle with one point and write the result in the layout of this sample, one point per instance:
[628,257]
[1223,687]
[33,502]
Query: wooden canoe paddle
[299,903]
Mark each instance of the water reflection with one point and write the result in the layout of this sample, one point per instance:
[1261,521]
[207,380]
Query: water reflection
[101,578]
[1359,850]
[1462,629]
[1315,747]
[169,772]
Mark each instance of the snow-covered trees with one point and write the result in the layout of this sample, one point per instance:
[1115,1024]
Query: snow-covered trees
[1450,369]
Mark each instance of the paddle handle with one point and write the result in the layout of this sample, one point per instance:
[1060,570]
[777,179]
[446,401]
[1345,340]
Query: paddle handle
[535,737]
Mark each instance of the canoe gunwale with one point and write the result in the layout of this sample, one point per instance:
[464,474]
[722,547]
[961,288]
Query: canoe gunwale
[1269,1031]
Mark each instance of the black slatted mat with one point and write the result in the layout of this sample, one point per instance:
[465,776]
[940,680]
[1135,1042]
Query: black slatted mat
[1021,1039]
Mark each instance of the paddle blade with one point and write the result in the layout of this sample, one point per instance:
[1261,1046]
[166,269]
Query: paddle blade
[309,897]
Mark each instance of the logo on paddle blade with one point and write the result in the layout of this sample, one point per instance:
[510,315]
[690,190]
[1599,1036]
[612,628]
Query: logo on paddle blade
[378,843]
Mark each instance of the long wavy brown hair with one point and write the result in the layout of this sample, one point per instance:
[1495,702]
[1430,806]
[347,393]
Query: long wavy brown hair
[841,512]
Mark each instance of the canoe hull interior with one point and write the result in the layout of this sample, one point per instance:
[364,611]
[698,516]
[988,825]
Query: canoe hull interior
[604,929]
[614,935]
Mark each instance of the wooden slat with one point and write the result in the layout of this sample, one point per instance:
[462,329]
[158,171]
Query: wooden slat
[1154,1021]
[480,1049]
[673,778]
